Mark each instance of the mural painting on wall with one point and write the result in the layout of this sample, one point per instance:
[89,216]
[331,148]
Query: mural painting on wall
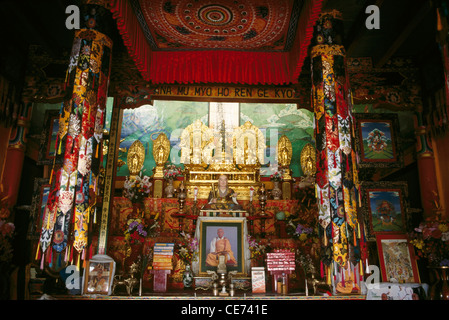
[172,117]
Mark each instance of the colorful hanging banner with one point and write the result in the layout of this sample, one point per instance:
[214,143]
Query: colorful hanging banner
[336,180]
[81,123]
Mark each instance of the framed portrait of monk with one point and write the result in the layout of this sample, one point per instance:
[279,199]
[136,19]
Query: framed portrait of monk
[221,240]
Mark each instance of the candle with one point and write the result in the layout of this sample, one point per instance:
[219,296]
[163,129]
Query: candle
[251,191]
[195,192]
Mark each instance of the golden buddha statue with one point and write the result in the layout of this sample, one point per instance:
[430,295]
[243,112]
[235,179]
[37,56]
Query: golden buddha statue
[135,158]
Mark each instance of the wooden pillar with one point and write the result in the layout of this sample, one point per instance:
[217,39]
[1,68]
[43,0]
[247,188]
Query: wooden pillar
[336,176]
[430,199]
[74,185]
[16,154]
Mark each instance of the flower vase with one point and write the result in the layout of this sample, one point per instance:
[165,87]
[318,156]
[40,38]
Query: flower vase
[169,189]
[137,209]
[132,254]
[187,277]
[439,290]
[276,192]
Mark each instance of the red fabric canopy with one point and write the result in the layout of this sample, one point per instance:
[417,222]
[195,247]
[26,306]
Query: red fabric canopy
[216,66]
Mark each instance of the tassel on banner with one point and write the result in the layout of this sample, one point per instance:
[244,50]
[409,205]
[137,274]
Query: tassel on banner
[50,259]
[88,215]
[90,251]
[361,270]
[66,77]
[367,268]
[335,271]
[439,24]
[42,262]
[83,257]
[38,251]
[58,261]
[60,146]
[51,176]
[71,255]
[321,269]
[358,231]
[78,261]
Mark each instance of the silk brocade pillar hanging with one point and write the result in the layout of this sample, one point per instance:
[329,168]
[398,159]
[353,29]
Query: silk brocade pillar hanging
[74,185]
[336,177]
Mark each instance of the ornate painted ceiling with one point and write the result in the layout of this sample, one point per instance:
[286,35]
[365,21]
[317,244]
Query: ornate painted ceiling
[267,25]
[221,41]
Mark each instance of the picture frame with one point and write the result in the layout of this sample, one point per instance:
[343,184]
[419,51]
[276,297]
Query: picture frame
[41,191]
[384,207]
[99,275]
[397,258]
[376,140]
[50,131]
[237,256]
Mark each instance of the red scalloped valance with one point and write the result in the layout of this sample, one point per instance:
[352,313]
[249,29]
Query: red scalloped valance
[216,66]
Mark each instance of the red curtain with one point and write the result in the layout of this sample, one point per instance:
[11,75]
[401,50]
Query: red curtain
[242,67]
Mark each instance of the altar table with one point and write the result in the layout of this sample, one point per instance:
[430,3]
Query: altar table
[166,207]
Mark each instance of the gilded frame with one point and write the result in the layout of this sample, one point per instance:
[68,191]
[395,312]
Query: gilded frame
[48,148]
[39,200]
[397,258]
[380,155]
[377,199]
[235,231]
[99,275]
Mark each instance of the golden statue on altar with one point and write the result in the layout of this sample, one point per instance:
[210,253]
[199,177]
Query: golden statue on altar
[308,160]
[284,155]
[161,152]
[207,155]
[135,158]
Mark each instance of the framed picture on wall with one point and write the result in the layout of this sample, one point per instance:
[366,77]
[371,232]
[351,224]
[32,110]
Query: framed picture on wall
[39,201]
[376,140]
[99,275]
[397,258]
[48,146]
[222,237]
[384,207]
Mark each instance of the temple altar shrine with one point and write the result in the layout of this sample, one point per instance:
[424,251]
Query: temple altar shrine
[183,150]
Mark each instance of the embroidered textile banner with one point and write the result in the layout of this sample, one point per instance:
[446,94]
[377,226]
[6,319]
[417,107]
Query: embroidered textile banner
[74,184]
[336,179]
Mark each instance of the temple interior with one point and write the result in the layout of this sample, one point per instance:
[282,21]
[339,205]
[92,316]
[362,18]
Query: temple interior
[260,149]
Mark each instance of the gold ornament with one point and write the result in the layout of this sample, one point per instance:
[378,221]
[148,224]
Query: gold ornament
[308,160]
[135,159]
[284,151]
[161,152]
[161,149]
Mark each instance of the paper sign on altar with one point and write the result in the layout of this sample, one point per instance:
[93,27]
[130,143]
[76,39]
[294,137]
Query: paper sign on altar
[162,257]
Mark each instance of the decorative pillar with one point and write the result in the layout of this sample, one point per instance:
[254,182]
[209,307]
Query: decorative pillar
[430,199]
[74,185]
[336,176]
[16,154]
